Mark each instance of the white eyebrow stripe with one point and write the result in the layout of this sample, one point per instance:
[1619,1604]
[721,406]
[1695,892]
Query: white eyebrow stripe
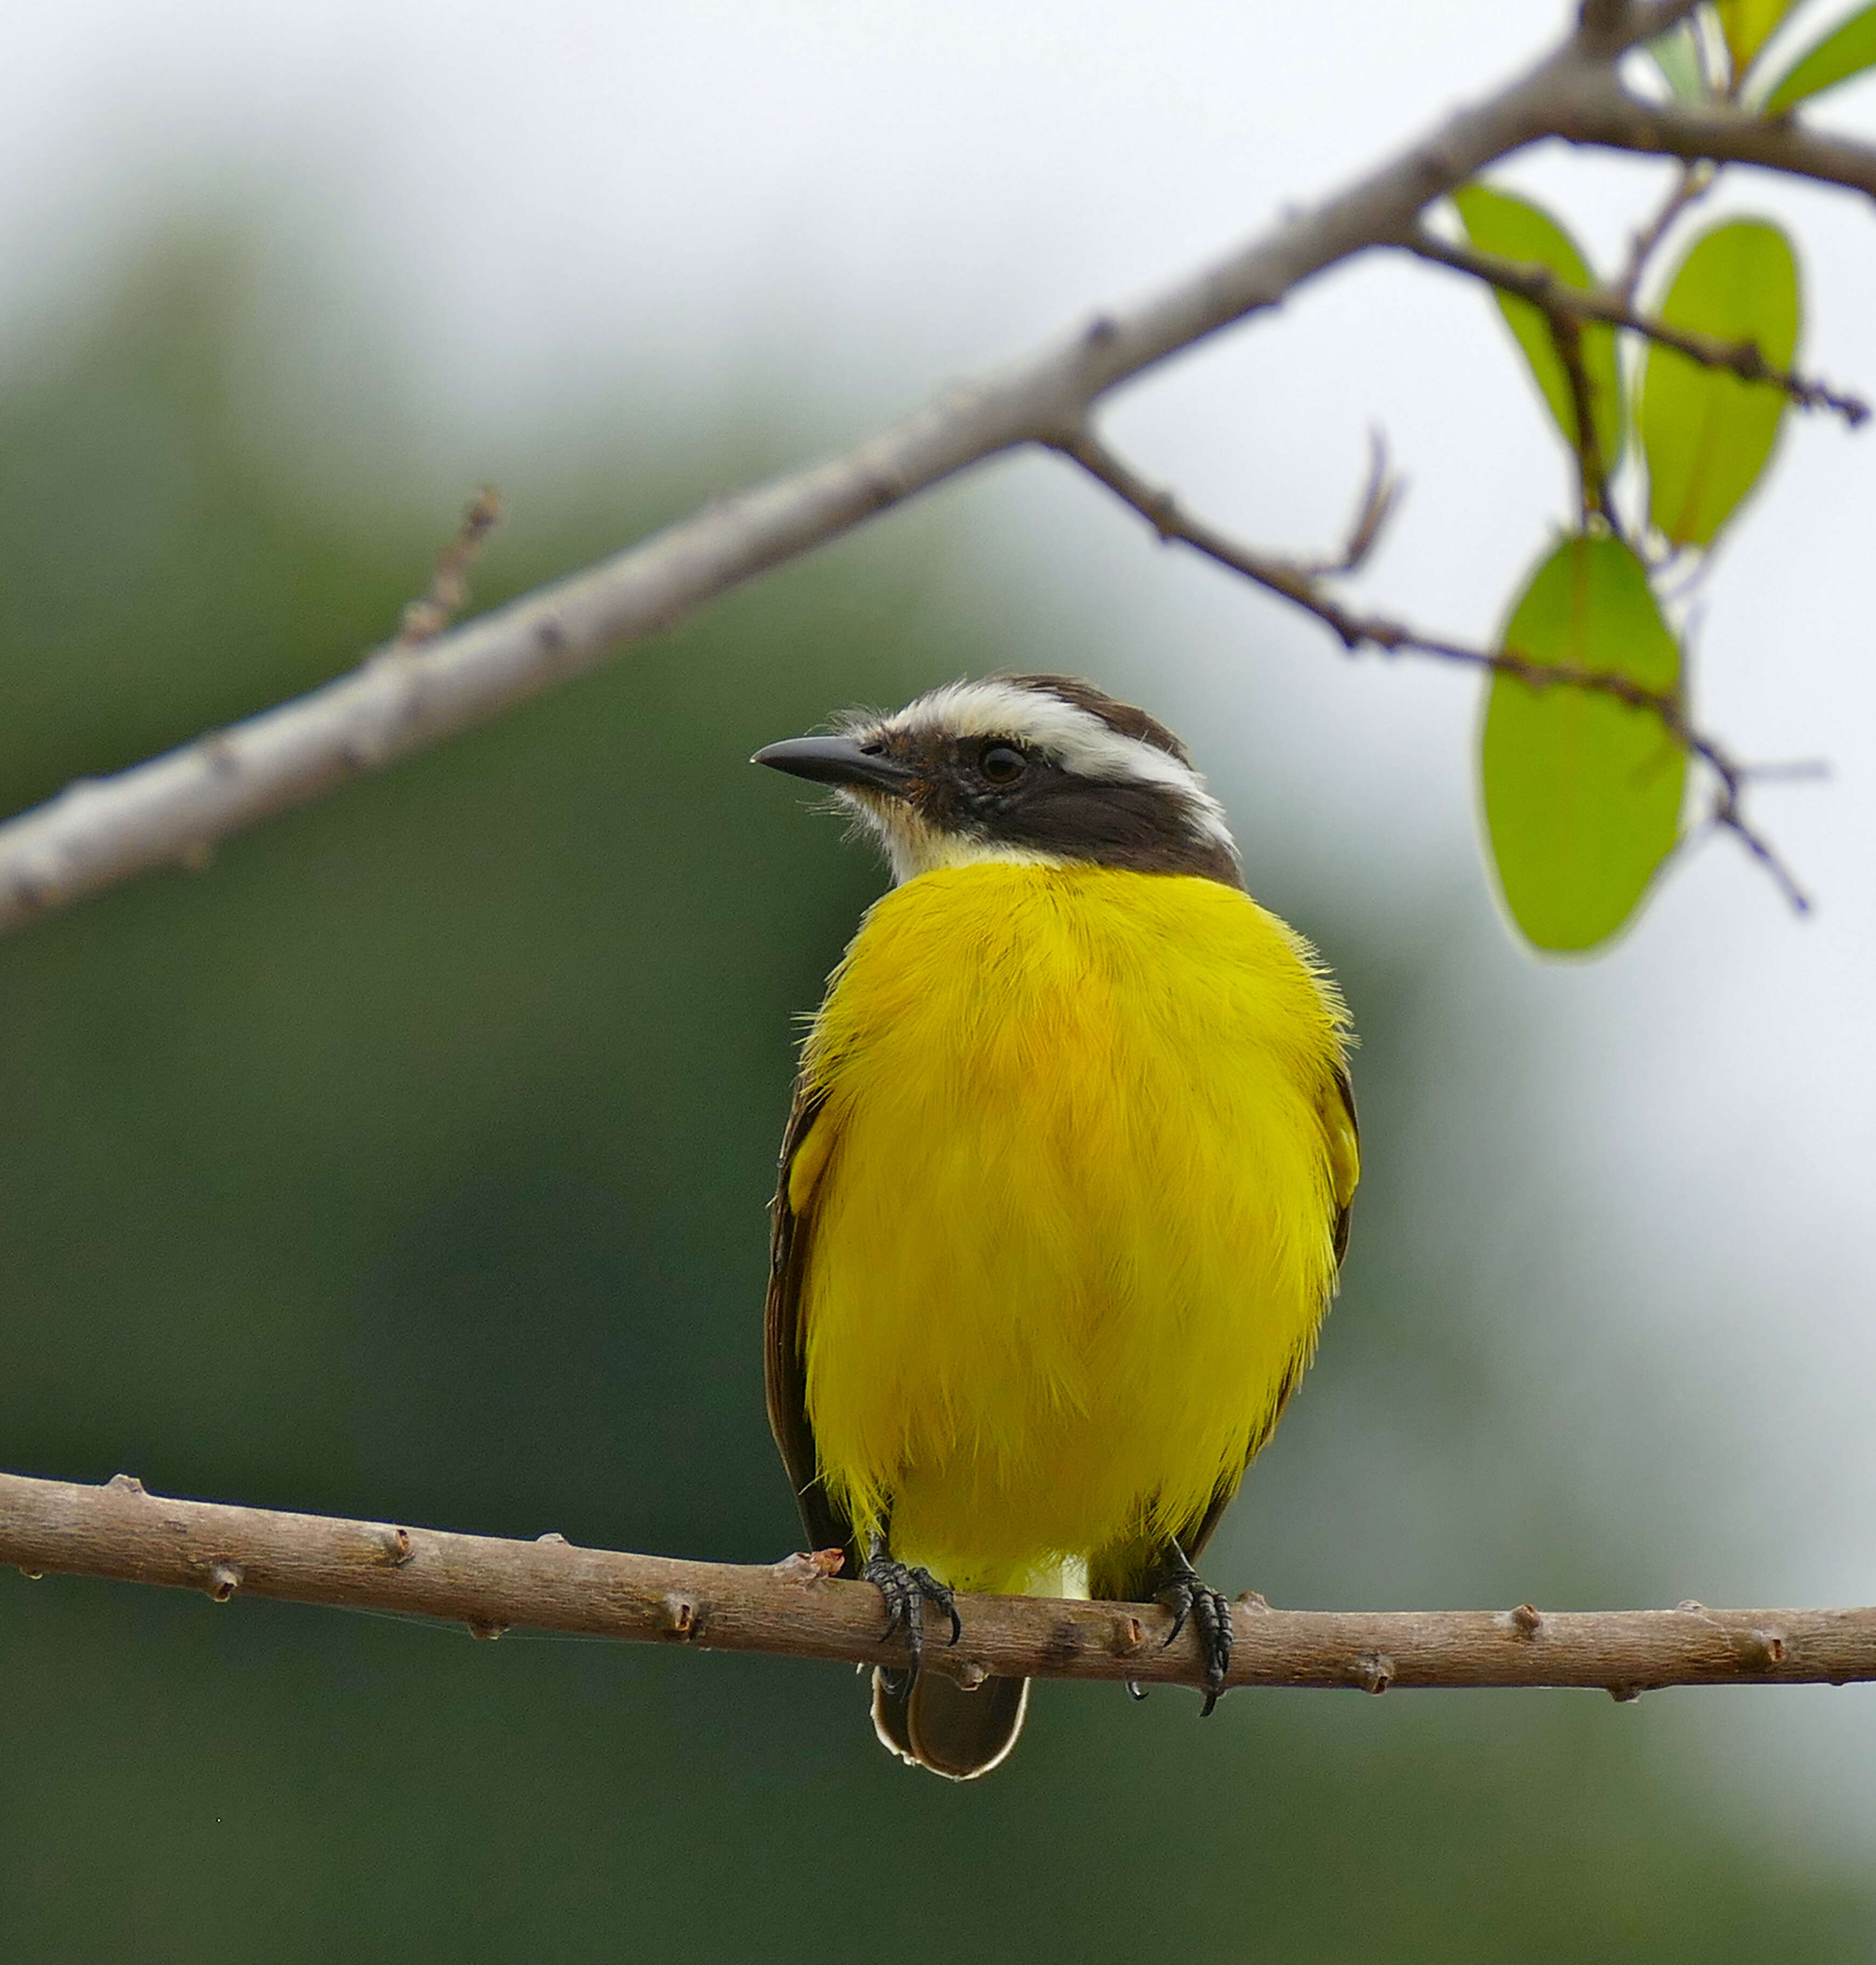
[1076,736]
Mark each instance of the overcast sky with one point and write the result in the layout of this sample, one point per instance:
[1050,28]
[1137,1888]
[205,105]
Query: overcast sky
[867,196]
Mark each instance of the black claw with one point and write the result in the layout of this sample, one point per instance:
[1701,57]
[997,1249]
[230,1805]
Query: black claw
[1207,1610]
[907,1588]
[1178,1598]
[1136,1691]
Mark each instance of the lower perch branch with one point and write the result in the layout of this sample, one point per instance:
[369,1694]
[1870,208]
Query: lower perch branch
[794,1608]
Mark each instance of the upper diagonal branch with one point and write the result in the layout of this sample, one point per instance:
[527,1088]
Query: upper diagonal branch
[795,1609]
[1602,112]
[171,810]
[1567,308]
[1299,584]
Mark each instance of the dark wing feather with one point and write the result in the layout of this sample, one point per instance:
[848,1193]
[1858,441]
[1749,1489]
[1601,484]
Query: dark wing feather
[1345,1086]
[784,1373]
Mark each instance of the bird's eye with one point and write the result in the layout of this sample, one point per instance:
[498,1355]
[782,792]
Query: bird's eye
[1002,763]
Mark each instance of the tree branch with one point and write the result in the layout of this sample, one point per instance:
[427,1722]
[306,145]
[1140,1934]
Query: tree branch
[1642,20]
[1603,113]
[1566,307]
[794,1608]
[1297,583]
[1610,27]
[1566,337]
[172,810]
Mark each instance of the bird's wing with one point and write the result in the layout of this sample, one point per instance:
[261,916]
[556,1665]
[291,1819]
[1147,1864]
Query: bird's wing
[1342,1130]
[805,1151]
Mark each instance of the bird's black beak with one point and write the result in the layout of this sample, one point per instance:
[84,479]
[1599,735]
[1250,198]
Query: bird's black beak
[836,760]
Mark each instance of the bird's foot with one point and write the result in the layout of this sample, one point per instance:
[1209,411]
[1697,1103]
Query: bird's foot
[1209,1613]
[907,1588]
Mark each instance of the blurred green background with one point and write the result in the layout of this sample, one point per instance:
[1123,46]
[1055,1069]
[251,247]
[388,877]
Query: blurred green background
[411,1163]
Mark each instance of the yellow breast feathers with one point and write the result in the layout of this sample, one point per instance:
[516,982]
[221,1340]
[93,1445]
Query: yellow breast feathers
[1073,1196]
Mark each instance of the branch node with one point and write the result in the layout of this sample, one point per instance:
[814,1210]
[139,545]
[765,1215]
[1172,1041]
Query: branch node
[224,1579]
[1525,1618]
[1623,1693]
[1129,1635]
[394,1548]
[884,487]
[126,1483]
[484,1634]
[1253,1600]
[680,1615]
[1065,1644]
[812,1565]
[1691,1606]
[1765,1650]
[37,886]
[555,1535]
[1374,1671]
[969,1674]
[361,753]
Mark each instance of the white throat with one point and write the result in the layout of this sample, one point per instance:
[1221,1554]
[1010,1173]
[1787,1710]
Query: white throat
[914,847]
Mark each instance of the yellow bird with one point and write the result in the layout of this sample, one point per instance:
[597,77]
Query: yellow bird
[1066,1187]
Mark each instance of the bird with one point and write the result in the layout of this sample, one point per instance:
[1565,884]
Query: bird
[1065,1186]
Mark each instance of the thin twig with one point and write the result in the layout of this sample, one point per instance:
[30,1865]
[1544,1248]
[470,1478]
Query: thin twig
[1566,337]
[1696,180]
[1793,771]
[796,1608]
[1561,303]
[1292,580]
[423,620]
[1380,493]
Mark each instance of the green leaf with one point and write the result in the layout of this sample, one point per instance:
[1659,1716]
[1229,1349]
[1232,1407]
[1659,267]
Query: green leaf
[1707,434]
[1495,221]
[1748,25]
[1583,792]
[1836,58]
[1676,54]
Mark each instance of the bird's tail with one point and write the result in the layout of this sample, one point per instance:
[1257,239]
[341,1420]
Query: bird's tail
[958,1731]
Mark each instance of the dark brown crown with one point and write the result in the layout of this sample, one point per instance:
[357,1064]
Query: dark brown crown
[1120,717]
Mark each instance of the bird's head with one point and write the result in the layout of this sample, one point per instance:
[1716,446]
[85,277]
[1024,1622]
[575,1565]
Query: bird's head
[1036,770]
